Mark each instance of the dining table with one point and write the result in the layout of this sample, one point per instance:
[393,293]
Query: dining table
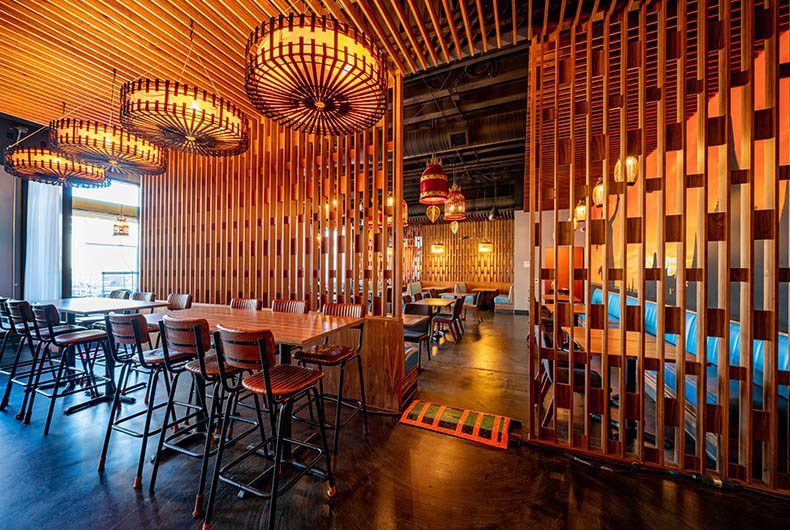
[290,331]
[437,304]
[96,305]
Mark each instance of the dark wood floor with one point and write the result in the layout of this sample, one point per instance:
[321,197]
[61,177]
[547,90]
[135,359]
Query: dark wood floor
[399,477]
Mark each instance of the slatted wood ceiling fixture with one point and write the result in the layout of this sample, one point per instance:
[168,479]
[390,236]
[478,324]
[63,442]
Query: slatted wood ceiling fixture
[699,92]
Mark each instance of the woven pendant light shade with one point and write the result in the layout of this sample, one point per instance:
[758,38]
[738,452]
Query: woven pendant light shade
[391,211]
[184,118]
[433,183]
[109,146]
[46,166]
[455,207]
[316,75]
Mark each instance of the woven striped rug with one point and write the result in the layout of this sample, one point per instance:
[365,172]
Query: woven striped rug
[488,429]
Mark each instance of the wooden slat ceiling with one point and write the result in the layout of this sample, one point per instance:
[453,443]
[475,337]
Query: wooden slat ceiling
[64,51]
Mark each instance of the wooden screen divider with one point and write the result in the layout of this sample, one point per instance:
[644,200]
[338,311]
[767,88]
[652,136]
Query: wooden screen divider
[698,93]
[461,260]
[297,216]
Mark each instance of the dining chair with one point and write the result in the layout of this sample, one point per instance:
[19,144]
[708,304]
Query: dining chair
[282,385]
[452,320]
[421,333]
[331,355]
[245,303]
[289,306]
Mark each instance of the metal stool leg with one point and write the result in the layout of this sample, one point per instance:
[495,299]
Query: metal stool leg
[327,460]
[362,394]
[217,464]
[12,375]
[116,406]
[169,408]
[213,414]
[138,479]
[278,456]
[31,387]
[339,407]
[54,397]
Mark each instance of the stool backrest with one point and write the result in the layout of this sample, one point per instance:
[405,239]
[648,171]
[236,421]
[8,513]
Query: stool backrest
[248,349]
[185,335]
[245,303]
[120,294]
[143,297]
[127,329]
[21,316]
[5,316]
[289,306]
[344,310]
[179,301]
[46,317]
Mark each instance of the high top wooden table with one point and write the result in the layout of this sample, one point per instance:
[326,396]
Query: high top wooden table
[73,307]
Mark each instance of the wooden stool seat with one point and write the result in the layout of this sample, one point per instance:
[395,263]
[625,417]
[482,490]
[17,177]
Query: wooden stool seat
[285,380]
[325,354]
[79,337]
[212,367]
[60,330]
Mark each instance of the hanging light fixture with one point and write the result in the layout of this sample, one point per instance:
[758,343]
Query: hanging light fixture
[437,248]
[454,227]
[391,211]
[580,211]
[107,145]
[455,207]
[631,170]
[433,183]
[43,165]
[598,193]
[494,214]
[121,226]
[185,118]
[316,75]
[433,212]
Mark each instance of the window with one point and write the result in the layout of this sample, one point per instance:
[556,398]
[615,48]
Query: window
[100,261]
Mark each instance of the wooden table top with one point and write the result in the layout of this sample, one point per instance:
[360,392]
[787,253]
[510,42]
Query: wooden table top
[578,309]
[631,340]
[485,290]
[97,305]
[414,320]
[293,329]
[435,302]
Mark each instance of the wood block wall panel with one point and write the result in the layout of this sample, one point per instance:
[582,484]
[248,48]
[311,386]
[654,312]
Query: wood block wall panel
[461,260]
[297,216]
[694,91]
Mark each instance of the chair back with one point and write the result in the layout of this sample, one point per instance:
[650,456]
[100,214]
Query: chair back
[247,350]
[417,296]
[245,303]
[289,306]
[179,301]
[46,317]
[344,310]
[5,316]
[458,307]
[434,293]
[143,297]
[478,299]
[419,309]
[21,316]
[406,299]
[126,329]
[184,335]
[120,294]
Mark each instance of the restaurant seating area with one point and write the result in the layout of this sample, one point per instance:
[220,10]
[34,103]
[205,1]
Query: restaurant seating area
[382,264]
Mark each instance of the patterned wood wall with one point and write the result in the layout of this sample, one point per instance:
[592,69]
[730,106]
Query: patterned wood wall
[291,218]
[699,93]
[461,261]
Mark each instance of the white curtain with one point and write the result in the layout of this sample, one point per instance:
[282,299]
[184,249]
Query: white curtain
[43,248]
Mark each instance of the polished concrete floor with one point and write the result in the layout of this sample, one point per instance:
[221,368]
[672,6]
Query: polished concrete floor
[398,477]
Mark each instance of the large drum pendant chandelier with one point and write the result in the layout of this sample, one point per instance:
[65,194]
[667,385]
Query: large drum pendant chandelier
[185,118]
[433,183]
[455,207]
[109,146]
[316,75]
[43,165]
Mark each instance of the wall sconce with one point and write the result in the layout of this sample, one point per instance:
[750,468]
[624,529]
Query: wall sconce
[485,247]
[437,248]
[631,170]
[598,195]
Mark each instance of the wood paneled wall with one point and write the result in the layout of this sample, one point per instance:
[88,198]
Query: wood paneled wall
[297,216]
[699,93]
[461,260]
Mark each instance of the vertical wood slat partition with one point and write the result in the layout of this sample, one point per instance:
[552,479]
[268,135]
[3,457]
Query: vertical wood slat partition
[461,260]
[698,92]
[297,216]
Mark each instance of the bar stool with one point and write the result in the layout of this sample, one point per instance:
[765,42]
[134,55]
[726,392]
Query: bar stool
[131,331]
[193,337]
[289,306]
[70,343]
[175,302]
[20,372]
[8,331]
[245,303]
[282,385]
[336,355]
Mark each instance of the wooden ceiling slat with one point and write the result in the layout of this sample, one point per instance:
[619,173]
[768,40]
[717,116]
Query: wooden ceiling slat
[389,23]
[481,21]
[412,38]
[423,27]
[448,13]
[437,27]
[467,27]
